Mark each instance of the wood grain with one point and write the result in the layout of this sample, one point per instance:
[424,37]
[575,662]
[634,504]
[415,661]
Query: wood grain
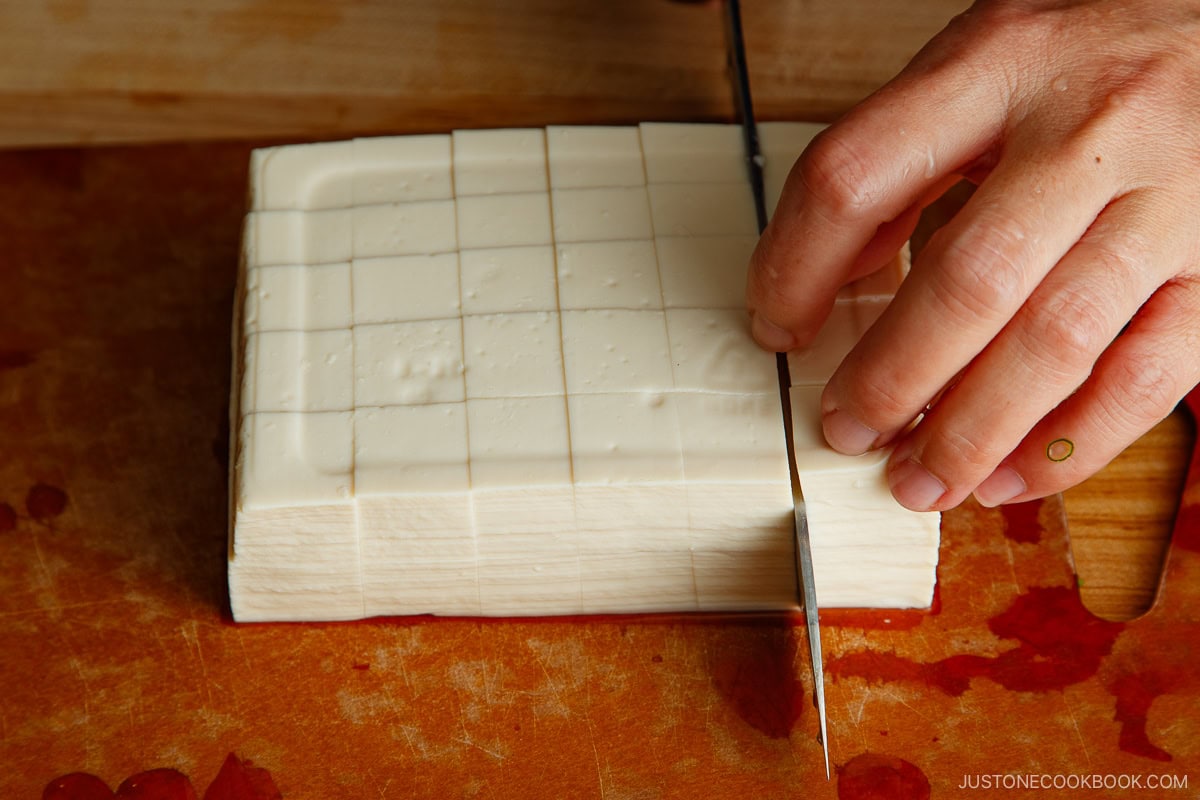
[90,71]
[1121,519]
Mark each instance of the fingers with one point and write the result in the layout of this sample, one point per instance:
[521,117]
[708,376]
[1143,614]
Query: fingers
[1014,311]
[1137,383]
[864,172]
[970,280]
[1042,356]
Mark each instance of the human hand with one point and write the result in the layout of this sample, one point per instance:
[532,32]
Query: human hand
[1053,320]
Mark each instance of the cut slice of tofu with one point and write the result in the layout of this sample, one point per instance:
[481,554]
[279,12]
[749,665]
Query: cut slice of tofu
[509,373]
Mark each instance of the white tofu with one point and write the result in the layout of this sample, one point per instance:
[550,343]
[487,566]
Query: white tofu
[595,215]
[293,459]
[285,238]
[618,501]
[528,550]
[504,220]
[780,144]
[304,177]
[624,438]
[703,209]
[244,392]
[630,571]
[406,288]
[401,169]
[401,229]
[745,579]
[847,322]
[298,298]
[616,351]
[689,153]
[303,371]
[617,274]
[513,355]
[713,351]
[746,560]
[287,556]
[408,363]
[594,156]
[500,161]
[732,435]
[508,279]
[846,551]
[414,546]
[524,401]
[411,450]
[517,443]
[708,272]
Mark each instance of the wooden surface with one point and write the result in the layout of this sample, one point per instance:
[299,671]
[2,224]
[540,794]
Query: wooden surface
[78,71]
[1120,520]
[116,283]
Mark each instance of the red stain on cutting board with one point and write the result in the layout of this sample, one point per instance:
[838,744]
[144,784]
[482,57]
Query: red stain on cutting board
[8,517]
[1187,521]
[237,780]
[872,776]
[45,502]
[241,780]
[759,680]
[77,786]
[1060,643]
[1021,522]
[15,359]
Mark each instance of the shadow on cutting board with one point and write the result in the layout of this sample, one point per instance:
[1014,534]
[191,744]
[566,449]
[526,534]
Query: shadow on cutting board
[116,287]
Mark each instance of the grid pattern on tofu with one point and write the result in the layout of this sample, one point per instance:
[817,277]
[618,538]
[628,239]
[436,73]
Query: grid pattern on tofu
[507,373]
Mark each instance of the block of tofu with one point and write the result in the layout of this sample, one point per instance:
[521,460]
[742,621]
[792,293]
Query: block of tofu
[508,373]
[781,143]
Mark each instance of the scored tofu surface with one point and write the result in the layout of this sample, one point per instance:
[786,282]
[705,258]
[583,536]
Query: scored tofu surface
[509,372]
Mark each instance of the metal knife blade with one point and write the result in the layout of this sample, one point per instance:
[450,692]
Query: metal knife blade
[805,582]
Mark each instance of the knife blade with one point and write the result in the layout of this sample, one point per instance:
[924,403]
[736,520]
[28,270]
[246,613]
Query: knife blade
[805,582]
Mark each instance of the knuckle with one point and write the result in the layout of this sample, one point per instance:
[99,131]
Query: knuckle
[890,406]
[1140,393]
[961,457]
[1071,332]
[839,174]
[1149,81]
[880,402]
[982,275]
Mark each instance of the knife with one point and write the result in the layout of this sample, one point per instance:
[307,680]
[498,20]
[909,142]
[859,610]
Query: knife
[806,590]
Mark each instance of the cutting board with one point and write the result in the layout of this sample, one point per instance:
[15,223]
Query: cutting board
[119,656]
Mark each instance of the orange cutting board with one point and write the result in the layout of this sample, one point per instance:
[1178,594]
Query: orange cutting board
[117,654]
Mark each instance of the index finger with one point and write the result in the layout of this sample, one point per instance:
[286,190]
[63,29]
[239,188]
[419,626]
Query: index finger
[854,179]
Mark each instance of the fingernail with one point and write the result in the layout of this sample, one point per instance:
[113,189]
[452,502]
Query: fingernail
[770,335]
[846,434]
[1001,486]
[914,487]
